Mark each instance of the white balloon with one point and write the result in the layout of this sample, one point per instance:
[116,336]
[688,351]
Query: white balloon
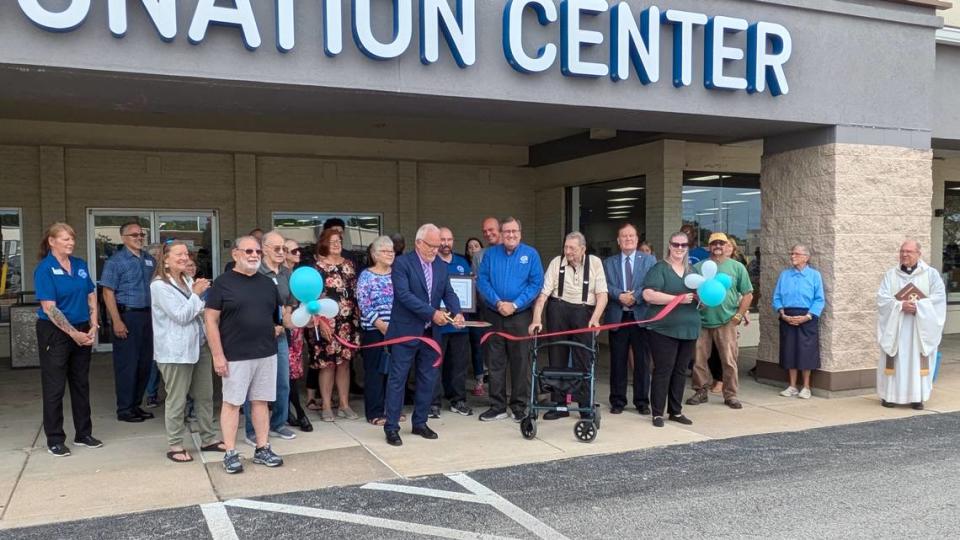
[709,270]
[692,281]
[300,316]
[328,308]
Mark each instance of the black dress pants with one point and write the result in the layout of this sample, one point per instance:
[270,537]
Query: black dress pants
[63,362]
[671,357]
[503,355]
[452,382]
[622,341]
[562,316]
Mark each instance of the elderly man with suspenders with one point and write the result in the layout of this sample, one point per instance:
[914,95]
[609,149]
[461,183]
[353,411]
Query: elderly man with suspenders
[575,295]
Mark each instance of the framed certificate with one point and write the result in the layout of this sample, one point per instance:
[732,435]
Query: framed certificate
[466,289]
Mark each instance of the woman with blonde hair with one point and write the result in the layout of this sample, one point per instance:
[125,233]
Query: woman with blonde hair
[176,307]
[66,331]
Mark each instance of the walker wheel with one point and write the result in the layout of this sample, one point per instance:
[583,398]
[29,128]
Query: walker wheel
[528,428]
[585,431]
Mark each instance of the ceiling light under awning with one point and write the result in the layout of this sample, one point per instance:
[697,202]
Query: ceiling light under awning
[625,189]
[623,199]
[690,191]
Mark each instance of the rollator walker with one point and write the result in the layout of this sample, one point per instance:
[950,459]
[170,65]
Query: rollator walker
[567,381]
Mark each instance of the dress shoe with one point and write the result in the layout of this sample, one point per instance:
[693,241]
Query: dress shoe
[305,424]
[733,403]
[918,406]
[616,410]
[393,438]
[887,404]
[657,421]
[143,414]
[425,432]
[553,415]
[132,418]
[643,409]
[680,419]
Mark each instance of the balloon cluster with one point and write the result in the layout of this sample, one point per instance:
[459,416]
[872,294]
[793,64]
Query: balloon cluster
[306,285]
[711,286]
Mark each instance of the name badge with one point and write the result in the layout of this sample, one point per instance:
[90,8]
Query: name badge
[57,271]
[148,262]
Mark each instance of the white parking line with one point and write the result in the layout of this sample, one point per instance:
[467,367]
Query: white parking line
[512,511]
[359,519]
[425,492]
[218,521]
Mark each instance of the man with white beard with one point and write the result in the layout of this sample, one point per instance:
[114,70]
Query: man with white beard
[912,306]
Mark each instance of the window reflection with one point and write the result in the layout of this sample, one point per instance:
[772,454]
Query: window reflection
[727,203]
[11,260]
[603,206]
[951,240]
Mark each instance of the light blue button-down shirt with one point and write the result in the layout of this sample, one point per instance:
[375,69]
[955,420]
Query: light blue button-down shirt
[799,289]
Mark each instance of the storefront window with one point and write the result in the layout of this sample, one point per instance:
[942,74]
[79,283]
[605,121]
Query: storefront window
[11,260]
[305,228]
[728,203]
[597,210]
[951,240]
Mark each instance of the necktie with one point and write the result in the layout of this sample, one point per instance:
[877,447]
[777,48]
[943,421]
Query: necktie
[628,274]
[428,274]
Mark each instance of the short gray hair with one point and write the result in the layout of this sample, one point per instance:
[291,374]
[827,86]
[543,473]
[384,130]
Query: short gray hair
[277,233]
[511,219]
[802,248]
[426,229]
[578,236]
[239,239]
[913,241]
[381,242]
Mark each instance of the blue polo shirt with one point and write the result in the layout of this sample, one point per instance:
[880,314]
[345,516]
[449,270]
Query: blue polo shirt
[799,289]
[129,277]
[68,289]
[515,277]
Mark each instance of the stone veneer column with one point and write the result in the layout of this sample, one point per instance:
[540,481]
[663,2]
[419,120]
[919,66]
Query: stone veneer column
[664,187]
[852,205]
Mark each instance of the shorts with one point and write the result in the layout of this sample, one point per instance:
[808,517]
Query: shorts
[254,380]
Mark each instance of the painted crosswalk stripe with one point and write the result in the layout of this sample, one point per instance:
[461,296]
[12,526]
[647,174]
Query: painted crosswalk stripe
[218,521]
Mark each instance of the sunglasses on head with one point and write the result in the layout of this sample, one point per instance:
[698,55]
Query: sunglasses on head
[251,251]
[679,245]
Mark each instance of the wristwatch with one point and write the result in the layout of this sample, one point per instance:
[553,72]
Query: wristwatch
[738,317]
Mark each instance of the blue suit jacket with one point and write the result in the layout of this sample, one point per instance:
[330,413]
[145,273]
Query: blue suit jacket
[613,269]
[412,307]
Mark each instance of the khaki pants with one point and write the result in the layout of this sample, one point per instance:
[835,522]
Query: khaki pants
[195,380]
[725,337]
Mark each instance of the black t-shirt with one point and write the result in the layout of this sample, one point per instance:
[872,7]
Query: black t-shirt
[249,309]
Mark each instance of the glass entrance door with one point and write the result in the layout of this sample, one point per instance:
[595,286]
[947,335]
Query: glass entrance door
[197,228]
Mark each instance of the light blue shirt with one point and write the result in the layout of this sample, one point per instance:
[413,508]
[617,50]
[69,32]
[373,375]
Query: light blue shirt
[799,289]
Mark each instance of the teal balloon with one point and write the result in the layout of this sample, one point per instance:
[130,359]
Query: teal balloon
[306,284]
[712,292]
[726,280]
[313,307]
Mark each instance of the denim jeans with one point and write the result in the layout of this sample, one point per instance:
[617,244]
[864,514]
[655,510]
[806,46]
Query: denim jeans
[153,383]
[281,407]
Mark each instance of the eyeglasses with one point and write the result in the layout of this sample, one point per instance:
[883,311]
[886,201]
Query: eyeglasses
[337,242]
[276,249]
[251,251]
[679,245]
[718,243]
[137,235]
[429,245]
[510,231]
[799,254]
[294,251]
[385,251]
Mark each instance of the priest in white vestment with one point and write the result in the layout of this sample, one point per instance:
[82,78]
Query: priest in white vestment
[909,329]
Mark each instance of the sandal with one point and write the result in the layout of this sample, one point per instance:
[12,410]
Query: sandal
[214,447]
[171,455]
[377,421]
[326,415]
[314,405]
[347,413]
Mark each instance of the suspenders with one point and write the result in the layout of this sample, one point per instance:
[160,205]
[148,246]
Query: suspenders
[586,277]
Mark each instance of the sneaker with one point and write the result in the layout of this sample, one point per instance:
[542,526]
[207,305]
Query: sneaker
[87,441]
[265,456]
[461,408]
[518,415]
[792,391]
[250,440]
[700,396]
[284,433]
[434,411]
[231,462]
[804,394]
[492,414]
[153,402]
[58,450]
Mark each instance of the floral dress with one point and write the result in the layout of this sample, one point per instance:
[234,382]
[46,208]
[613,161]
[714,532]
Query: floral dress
[340,285]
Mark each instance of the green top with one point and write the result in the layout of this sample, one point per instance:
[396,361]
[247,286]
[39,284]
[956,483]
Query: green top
[684,321]
[714,317]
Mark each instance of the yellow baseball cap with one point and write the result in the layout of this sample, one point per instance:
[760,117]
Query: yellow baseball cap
[718,236]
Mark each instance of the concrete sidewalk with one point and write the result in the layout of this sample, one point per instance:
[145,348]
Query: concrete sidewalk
[130,473]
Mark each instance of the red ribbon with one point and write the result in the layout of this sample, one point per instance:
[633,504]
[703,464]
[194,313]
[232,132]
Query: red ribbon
[483,339]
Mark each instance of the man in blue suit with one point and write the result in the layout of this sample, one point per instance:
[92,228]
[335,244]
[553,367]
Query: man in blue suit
[419,284]
[625,273]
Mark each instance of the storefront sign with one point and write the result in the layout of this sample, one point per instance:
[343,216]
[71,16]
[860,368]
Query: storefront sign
[633,39]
